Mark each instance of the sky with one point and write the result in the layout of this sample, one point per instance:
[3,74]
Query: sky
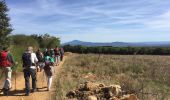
[93,20]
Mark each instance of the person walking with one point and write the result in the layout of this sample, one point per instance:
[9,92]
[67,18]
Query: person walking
[40,57]
[61,53]
[30,60]
[57,55]
[6,62]
[49,69]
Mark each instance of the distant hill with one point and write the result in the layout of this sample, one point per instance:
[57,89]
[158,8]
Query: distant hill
[119,44]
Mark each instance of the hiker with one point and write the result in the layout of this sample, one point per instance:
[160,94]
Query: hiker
[40,57]
[6,62]
[45,52]
[49,64]
[57,55]
[30,60]
[52,52]
[61,53]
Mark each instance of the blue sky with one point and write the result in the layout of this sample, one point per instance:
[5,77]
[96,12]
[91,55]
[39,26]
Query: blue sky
[93,20]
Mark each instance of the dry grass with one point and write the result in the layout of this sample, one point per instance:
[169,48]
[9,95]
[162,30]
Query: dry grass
[147,76]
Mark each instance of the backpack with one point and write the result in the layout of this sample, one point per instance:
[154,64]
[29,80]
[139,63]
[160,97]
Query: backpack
[26,58]
[56,52]
[4,62]
[40,56]
[48,63]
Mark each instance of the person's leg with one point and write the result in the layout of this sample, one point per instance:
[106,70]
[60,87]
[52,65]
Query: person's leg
[8,74]
[41,66]
[61,57]
[56,60]
[49,82]
[7,83]
[27,83]
[34,79]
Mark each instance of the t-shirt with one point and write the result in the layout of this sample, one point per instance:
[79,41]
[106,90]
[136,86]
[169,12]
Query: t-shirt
[51,59]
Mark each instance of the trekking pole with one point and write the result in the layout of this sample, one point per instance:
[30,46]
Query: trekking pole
[1,77]
[15,80]
[2,74]
[16,75]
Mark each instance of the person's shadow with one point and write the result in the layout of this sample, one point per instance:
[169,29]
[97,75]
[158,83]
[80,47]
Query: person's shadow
[14,93]
[20,92]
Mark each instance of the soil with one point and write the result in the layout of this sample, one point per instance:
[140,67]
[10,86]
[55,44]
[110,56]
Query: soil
[18,93]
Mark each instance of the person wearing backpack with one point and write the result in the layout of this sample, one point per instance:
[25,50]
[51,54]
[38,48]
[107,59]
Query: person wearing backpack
[6,62]
[30,60]
[40,57]
[49,64]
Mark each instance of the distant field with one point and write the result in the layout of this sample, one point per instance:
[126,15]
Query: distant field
[147,76]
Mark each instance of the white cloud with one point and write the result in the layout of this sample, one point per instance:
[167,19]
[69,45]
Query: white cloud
[162,21]
[93,17]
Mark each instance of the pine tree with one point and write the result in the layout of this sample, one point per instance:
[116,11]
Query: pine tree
[5,27]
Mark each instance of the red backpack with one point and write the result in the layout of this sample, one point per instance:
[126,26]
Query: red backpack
[4,60]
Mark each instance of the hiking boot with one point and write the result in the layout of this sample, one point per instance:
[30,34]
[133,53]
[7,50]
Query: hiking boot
[27,94]
[5,91]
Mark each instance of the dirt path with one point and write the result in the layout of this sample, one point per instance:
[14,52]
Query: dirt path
[41,94]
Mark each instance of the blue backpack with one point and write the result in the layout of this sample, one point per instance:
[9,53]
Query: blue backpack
[26,58]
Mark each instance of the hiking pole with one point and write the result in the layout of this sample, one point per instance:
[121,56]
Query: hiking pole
[2,74]
[15,80]
[16,75]
[1,77]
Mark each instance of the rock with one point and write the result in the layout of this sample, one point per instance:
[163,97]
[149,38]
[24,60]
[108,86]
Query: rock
[89,86]
[90,76]
[129,97]
[92,97]
[71,94]
[116,89]
[101,85]
[94,91]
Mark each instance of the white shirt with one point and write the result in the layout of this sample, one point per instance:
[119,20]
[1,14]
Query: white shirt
[34,59]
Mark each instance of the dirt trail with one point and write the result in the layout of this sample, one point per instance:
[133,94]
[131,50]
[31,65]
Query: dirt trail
[41,94]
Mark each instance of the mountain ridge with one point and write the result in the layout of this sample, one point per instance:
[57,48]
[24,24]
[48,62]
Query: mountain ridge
[118,44]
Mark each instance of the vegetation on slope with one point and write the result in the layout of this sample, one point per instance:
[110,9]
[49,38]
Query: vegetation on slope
[147,76]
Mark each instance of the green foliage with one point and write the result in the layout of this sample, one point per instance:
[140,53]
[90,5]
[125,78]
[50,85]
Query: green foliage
[46,41]
[5,27]
[20,42]
[17,51]
[132,72]
[24,41]
[119,50]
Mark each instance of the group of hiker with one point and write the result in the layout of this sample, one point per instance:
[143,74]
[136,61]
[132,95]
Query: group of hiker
[33,62]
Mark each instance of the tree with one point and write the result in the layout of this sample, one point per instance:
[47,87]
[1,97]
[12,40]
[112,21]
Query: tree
[24,40]
[46,41]
[5,27]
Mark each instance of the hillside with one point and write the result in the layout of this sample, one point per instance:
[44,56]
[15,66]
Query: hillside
[119,44]
[146,76]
